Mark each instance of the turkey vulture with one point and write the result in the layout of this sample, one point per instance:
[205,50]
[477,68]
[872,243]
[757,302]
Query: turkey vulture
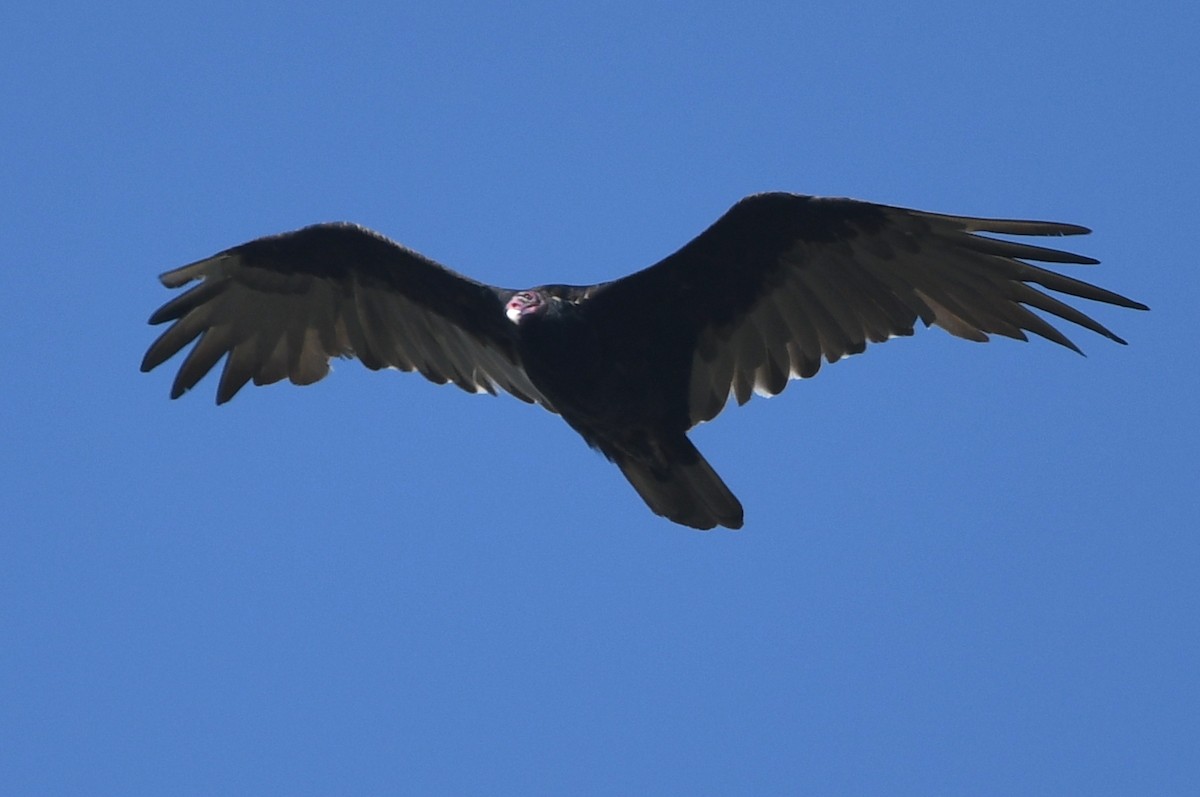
[777,284]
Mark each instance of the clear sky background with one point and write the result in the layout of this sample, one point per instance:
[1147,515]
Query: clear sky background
[965,569]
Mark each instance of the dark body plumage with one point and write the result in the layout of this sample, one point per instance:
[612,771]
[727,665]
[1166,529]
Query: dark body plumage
[775,286]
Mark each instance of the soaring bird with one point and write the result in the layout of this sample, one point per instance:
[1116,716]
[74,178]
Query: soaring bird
[776,285]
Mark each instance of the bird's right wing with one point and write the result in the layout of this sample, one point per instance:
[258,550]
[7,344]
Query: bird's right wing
[281,307]
[782,281]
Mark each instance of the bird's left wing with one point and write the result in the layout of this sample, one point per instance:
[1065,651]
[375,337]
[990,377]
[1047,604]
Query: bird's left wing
[281,307]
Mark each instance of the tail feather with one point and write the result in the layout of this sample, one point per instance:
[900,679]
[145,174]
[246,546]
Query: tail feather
[684,488]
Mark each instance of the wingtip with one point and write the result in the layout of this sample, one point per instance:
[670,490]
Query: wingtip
[1073,229]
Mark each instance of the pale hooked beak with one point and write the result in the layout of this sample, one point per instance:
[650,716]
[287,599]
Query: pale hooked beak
[513,310]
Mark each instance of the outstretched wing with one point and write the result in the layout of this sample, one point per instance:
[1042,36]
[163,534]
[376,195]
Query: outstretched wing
[283,306]
[782,280]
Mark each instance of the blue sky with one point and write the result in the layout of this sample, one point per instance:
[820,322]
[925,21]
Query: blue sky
[965,568]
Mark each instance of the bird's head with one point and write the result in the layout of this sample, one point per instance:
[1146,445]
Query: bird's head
[526,304]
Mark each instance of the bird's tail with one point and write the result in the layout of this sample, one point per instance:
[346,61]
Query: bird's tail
[682,487]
